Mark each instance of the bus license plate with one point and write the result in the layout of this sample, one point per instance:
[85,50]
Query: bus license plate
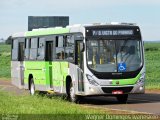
[117,92]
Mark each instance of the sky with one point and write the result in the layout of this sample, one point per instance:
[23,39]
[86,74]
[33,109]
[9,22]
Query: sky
[146,13]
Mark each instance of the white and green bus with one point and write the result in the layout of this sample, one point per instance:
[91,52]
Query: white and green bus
[80,60]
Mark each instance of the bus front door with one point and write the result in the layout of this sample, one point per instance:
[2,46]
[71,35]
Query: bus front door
[21,59]
[49,58]
[79,62]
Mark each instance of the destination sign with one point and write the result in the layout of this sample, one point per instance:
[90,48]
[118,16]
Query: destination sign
[111,32]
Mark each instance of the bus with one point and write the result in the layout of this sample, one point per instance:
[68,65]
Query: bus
[80,60]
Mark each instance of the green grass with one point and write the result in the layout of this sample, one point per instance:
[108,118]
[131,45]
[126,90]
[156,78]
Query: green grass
[152,60]
[5,53]
[43,105]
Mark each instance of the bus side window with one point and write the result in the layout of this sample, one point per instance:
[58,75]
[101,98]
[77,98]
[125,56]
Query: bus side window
[33,48]
[26,54]
[41,43]
[69,49]
[60,47]
[21,50]
[15,49]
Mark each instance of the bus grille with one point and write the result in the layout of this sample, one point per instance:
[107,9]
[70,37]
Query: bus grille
[110,89]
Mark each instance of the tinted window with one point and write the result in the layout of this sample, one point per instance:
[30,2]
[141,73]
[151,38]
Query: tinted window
[41,44]
[60,53]
[26,54]
[18,46]
[15,49]
[33,48]
[14,54]
[21,51]
[34,42]
[60,41]
[15,44]
[69,50]
[60,47]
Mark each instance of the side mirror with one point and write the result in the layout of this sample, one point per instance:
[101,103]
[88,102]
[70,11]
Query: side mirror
[82,47]
[79,37]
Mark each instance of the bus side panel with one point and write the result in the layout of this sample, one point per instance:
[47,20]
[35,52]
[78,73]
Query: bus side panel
[16,73]
[59,73]
[73,71]
[38,70]
[65,73]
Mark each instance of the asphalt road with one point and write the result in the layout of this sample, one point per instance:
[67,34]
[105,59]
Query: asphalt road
[146,103]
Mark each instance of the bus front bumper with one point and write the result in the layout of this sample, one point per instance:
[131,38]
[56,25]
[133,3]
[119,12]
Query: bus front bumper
[109,90]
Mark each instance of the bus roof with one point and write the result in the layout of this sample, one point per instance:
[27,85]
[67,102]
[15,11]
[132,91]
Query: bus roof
[46,31]
[68,29]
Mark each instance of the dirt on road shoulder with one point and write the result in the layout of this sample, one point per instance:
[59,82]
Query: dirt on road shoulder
[5,85]
[153,91]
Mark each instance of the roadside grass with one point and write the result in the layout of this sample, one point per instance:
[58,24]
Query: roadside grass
[5,53]
[152,60]
[43,106]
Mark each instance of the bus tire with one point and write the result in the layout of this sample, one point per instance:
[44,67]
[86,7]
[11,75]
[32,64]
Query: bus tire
[71,93]
[122,98]
[32,87]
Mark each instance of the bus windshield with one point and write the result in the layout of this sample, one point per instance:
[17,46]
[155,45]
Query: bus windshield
[114,55]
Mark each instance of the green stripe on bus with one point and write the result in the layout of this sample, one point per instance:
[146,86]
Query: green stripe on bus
[49,31]
[130,81]
[43,72]
[37,69]
[59,73]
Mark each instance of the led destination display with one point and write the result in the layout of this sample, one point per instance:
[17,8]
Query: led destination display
[111,32]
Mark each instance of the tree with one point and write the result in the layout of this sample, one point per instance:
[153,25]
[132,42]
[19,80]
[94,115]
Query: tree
[9,40]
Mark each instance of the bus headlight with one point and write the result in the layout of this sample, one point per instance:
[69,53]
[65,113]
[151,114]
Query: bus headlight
[91,80]
[142,78]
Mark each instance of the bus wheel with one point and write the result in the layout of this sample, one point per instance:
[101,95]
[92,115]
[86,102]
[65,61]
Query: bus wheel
[122,98]
[32,87]
[71,93]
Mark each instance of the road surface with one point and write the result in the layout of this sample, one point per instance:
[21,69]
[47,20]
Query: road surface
[145,103]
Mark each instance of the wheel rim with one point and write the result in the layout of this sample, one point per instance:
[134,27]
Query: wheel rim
[72,95]
[32,89]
